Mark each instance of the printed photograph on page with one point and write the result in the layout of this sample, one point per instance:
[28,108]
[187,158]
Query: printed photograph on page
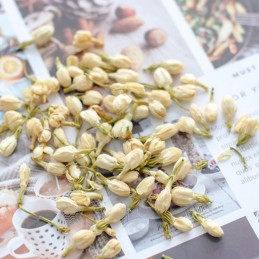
[227,30]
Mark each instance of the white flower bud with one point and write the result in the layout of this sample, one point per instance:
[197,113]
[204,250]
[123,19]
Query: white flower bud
[160,176]
[98,75]
[91,60]
[108,103]
[163,200]
[87,141]
[82,159]
[181,168]
[8,145]
[73,173]
[184,92]
[82,40]
[211,112]
[56,120]
[106,162]
[63,76]
[43,34]
[212,228]
[182,196]
[186,124]
[104,138]
[145,187]
[124,75]
[161,96]
[122,129]
[170,155]
[120,61]
[74,71]
[154,145]
[24,175]
[34,127]
[56,168]
[135,88]
[110,250]
[59,138]
[141,112]
[130,176]
[67,205]
[59,109]
[132,144]
[92,97]
[116,213]
[173,66]
[166,131]
[65,154]
[133,159]
[39,152]
[74,105]
[162,78]
[13,119]
[224,155]
[8,103]
[229,109]
[157,109]
[82,239]
[192,79]
[118,187]
[52,84]
[241,123]
[91,117]
[183,224]
[81,198]
[82,83]
[121,103]
[197,114]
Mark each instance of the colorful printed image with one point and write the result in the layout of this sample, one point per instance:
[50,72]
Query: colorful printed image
[226,29]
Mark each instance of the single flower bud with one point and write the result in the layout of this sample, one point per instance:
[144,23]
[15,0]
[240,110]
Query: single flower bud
[166,131]
[241,124]
[157,109]
[34,128]
[82,40]
[74,105]
[154,145]
[81,198]
[122,129]
[91,60]
[8,103]
[24,175]
[54,168]
[130,177]
[173,66]
[183,224]
[162,78]
[197,114]
[45,135]
[120,61]
[67,205]
[163,200]
[186,124]
[8,145]
[118,187]
[106,162]
[160,176]
[191,79]
[98,75]
[181,168]
[73,173]
[182,196]
[13,119]
[170,155]
[92,97]
[141,112]
[121,103]
[65,154]
[82,159]
[63,76]
[59,138]
[110,250]
[145,187]
[58,109]
[102,137]
[52,84]
[229,109]
[161,96]
[74,71]
[184,92]
[87,141]
[116,213]
[132,144]
[43,35]
[91,117]
[211,112]
[212,228]
[72,60]
[135,88]
[224,155]
[124,75]
[82,83]
[108,103]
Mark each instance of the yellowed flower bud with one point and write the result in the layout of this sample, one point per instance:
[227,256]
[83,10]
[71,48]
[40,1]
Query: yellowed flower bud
[74,105]
[161,96]
[13,119]
[74,71]
[183,224]
[43,34]
[141,112]
[124,75]
[106,162]
[83,239]
[118,187]
[34,128]
[80,197]
[91,117]
[122,129]
[82,40]
[65,154]
[157,109]
[110,250]
[166,131]
[121,103]
[8,103]
[154,145]
[120,61]
[184,92]
[82,83]
[229,109]
[98,75]
[240,125]
[72,60]
[92,97]
[198,115]
[170,155]
[162,78]
[59,138]
[173,66]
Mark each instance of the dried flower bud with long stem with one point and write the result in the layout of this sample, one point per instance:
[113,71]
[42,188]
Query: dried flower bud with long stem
[191,79]
[24,175]
[209,225]
[34,128]
[103,139]
[229,109]
[211,109]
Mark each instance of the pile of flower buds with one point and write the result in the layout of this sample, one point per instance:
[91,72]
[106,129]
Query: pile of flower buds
[103,97]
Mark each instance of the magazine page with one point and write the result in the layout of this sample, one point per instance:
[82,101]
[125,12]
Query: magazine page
[140,231]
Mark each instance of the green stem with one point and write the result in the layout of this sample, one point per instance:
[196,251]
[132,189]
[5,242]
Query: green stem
[242,158]
[67,251]
[21,194]
[196,216]
[23,45]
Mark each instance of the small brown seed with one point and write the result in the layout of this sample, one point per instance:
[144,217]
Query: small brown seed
[155,37]
[124,11]
[127,24]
